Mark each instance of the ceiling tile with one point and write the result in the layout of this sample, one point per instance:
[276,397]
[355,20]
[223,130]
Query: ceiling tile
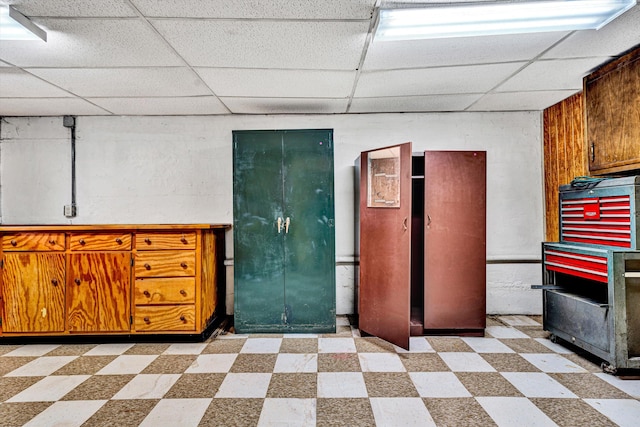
[15,83]
[434,81]
[559,74]
[91,43]
[48,107]
[412,103]
[325,45]
[118,82]
[285,105]
[458,51]
[618,36]
[278,83]
[162,106]
[520,101]
[85,8]
[262,9]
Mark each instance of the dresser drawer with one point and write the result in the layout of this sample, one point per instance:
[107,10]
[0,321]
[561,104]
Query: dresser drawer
[33,242]
[172,290]
[165,318]
[100,242]
[159,241]
[166,264]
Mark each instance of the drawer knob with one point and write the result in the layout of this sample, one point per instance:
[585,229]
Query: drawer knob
[78,281]
[82,242]
[119,241]
[183,264]
[147,266]
[146,319]
[183,240]
[52,242]
[147,241]
[14,243]
[183,292]
[182,318]
[54,282]
[146,294]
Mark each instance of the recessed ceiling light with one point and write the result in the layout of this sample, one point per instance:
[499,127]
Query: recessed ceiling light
[16,26]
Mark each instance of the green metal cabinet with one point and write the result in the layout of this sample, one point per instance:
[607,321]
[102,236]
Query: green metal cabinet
[284,239]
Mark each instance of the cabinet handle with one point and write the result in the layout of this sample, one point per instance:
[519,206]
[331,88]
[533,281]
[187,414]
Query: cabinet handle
[279,224]
[119,241]
[82,242]
[146,320]
[593,152]
[14,243]
[146,293]
[183,240]
[183,264]
[54,282]
[182,318]
[183,292]
[78,281]
[147,241]
[52,242]
[147,266]
[404,224]
[287,222]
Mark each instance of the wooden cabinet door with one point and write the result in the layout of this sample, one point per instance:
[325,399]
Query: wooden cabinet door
[98,292]
[34,287]
[385,243]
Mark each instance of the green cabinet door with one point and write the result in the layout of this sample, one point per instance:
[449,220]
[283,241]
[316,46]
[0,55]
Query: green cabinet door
[284,241]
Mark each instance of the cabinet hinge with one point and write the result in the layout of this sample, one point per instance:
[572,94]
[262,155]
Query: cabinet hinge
[131,260]
[131,320]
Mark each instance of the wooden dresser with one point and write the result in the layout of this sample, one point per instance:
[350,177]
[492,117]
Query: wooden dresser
[110,279]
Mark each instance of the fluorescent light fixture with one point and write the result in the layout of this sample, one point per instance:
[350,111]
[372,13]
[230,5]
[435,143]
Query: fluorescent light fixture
[492,18]
[16,26]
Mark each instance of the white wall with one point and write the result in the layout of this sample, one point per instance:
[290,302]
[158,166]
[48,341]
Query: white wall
[179,170]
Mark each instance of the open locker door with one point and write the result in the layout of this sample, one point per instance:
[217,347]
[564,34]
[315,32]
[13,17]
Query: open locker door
[385,243]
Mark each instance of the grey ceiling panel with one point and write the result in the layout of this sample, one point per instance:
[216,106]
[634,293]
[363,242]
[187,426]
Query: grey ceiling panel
[520,101]
[285,105]
[15,83]
[398,104]
[48,107]
[196,105]
[75,8]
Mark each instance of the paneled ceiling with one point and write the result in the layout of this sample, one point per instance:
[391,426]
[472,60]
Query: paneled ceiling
[190,57]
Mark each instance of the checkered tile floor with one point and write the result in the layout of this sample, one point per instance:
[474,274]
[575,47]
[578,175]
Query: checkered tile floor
[514,376]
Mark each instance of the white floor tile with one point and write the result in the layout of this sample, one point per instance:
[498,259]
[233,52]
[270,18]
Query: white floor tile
[35,350]
[416,345]
[71,413]
[514,412]
[300,335]
[631,387]
[287,362]
[537,384]
[466,362]
[336,345]
[341,384]
[49,389]
[108,350]
[380,362]
[551,362]
[176,412]
[518,321]
[127,364]
[624,412]
[147,386]
[41,366]
[560,349]
[438,384]
[210,363]
[487,345]
[185,348]
[505,332]
[244,385]
[261,345]
[288,413]
[394,412]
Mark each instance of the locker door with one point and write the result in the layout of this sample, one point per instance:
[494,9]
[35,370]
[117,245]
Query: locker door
[455,240]
[385,243]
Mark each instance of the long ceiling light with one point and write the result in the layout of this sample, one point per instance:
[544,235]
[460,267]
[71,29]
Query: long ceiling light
[428,21]
[16,26]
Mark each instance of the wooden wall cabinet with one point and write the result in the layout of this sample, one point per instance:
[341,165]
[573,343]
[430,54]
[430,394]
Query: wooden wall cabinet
[110,279]
[612,115]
